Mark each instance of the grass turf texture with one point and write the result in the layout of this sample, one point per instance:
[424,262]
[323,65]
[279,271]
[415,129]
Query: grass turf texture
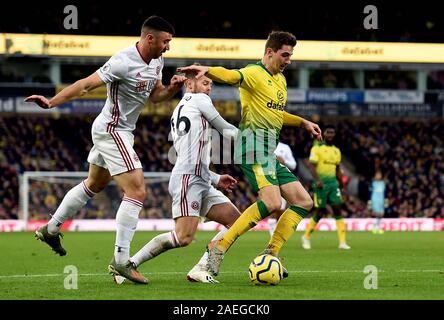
[409,267]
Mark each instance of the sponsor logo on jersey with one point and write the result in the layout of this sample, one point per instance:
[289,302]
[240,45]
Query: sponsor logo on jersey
[277,106]
[141,86]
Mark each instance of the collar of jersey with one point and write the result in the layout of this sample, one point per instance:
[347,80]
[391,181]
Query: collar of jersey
[259,63]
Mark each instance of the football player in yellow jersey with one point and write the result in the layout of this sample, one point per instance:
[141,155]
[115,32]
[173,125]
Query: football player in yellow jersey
[324,166]
[263,95]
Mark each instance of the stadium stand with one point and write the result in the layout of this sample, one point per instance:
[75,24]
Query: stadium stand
[408,153]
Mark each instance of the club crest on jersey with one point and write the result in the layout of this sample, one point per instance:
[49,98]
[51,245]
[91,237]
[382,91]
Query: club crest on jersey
[195,205]
[157,70]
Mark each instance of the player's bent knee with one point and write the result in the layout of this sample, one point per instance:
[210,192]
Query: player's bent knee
[307,204]
[273,206]
[185,239]
[96,186]
[138,194]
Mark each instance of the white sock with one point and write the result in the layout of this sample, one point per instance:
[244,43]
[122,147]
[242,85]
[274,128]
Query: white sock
[73,201]
[204,259]
[156,246]
[272,222]
[126,218]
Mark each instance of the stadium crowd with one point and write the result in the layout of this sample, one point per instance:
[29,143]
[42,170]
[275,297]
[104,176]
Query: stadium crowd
[408,153]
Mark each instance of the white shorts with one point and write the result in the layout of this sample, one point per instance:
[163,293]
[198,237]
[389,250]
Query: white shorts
[114,151]
[193,196]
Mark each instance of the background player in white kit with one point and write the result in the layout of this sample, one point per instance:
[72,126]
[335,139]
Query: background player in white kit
[285,157]
[190,188]
[132,76]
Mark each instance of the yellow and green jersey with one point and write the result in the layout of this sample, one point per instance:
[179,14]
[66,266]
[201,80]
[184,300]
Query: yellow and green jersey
[263,97]
[325,158]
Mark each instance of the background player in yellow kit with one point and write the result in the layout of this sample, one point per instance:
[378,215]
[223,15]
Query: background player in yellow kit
[324,166]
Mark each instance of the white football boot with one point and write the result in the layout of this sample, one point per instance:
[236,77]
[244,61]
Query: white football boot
[306,244]
[199,273]
[344,246]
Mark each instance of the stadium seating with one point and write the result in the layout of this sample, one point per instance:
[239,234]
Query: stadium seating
[408,153]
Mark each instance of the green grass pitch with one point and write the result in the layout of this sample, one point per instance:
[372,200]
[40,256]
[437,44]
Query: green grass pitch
[410,266]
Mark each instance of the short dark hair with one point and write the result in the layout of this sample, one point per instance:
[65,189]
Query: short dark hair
[276,39]
[159,24]
[329,126]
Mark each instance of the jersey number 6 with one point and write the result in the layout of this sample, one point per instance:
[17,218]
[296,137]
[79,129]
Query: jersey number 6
[182,125]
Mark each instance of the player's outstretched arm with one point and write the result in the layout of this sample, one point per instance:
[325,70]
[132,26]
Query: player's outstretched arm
[227,183]
[162,93]
[75,90]
[313,128]
[218,74]
[224,181]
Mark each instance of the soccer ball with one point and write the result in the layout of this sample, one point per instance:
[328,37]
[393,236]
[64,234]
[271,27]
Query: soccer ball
[266,270]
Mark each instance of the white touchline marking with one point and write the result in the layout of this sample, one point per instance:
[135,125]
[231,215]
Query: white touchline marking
[20,276]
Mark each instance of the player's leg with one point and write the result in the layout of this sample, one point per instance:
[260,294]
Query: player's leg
[300,204]
[317,216]
[74,200]
[269,201]
[274,217]
[216,207]
[340,226]
[133,186]
[116,150]
[335,199]
[186,191]
[378,213]
[180,237]
[320,203]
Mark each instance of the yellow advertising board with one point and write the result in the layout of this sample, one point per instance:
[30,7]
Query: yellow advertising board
[232,49]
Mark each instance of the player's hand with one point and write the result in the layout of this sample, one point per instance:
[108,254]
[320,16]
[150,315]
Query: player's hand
[177,81]
[313,128]
[41,101]
[227,183]
[281,160]
[319,184]
[199,71]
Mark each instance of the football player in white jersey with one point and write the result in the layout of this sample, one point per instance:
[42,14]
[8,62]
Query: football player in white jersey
[132,76]
[285,157]
[191,181]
